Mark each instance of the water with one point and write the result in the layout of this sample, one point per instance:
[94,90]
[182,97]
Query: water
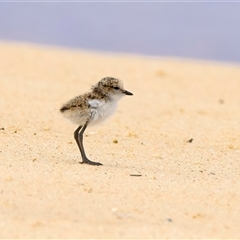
[207,31]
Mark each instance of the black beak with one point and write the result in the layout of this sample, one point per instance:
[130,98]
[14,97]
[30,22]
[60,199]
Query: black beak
[127,92]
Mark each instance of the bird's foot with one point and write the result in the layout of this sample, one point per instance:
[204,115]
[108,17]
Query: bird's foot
[87,161]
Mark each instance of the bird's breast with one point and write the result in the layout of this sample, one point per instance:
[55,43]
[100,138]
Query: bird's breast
[101,110]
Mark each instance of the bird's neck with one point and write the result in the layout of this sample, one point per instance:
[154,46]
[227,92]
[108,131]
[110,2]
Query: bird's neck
[100,93]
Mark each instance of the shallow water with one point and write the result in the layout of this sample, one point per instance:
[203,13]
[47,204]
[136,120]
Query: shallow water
[194,30]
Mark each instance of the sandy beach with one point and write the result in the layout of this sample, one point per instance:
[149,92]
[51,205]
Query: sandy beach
[170,154]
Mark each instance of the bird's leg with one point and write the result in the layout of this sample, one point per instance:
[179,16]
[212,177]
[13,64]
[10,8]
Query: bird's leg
[78,135]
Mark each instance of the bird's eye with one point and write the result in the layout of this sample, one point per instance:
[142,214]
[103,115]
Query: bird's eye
[116,88]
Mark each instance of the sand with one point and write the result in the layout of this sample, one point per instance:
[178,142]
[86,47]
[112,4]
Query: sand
[179,133]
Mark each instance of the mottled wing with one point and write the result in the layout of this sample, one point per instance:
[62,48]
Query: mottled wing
[77,110]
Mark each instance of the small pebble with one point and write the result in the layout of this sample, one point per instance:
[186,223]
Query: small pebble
[221,101]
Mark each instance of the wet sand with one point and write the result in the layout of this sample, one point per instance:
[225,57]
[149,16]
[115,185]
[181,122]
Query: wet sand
[170,153]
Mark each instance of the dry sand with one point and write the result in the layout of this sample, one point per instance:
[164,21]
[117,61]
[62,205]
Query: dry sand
[186,189]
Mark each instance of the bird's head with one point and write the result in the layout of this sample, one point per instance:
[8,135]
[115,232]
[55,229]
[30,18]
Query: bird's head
[112,87]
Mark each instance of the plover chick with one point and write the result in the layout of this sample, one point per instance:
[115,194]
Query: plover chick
[93,107]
